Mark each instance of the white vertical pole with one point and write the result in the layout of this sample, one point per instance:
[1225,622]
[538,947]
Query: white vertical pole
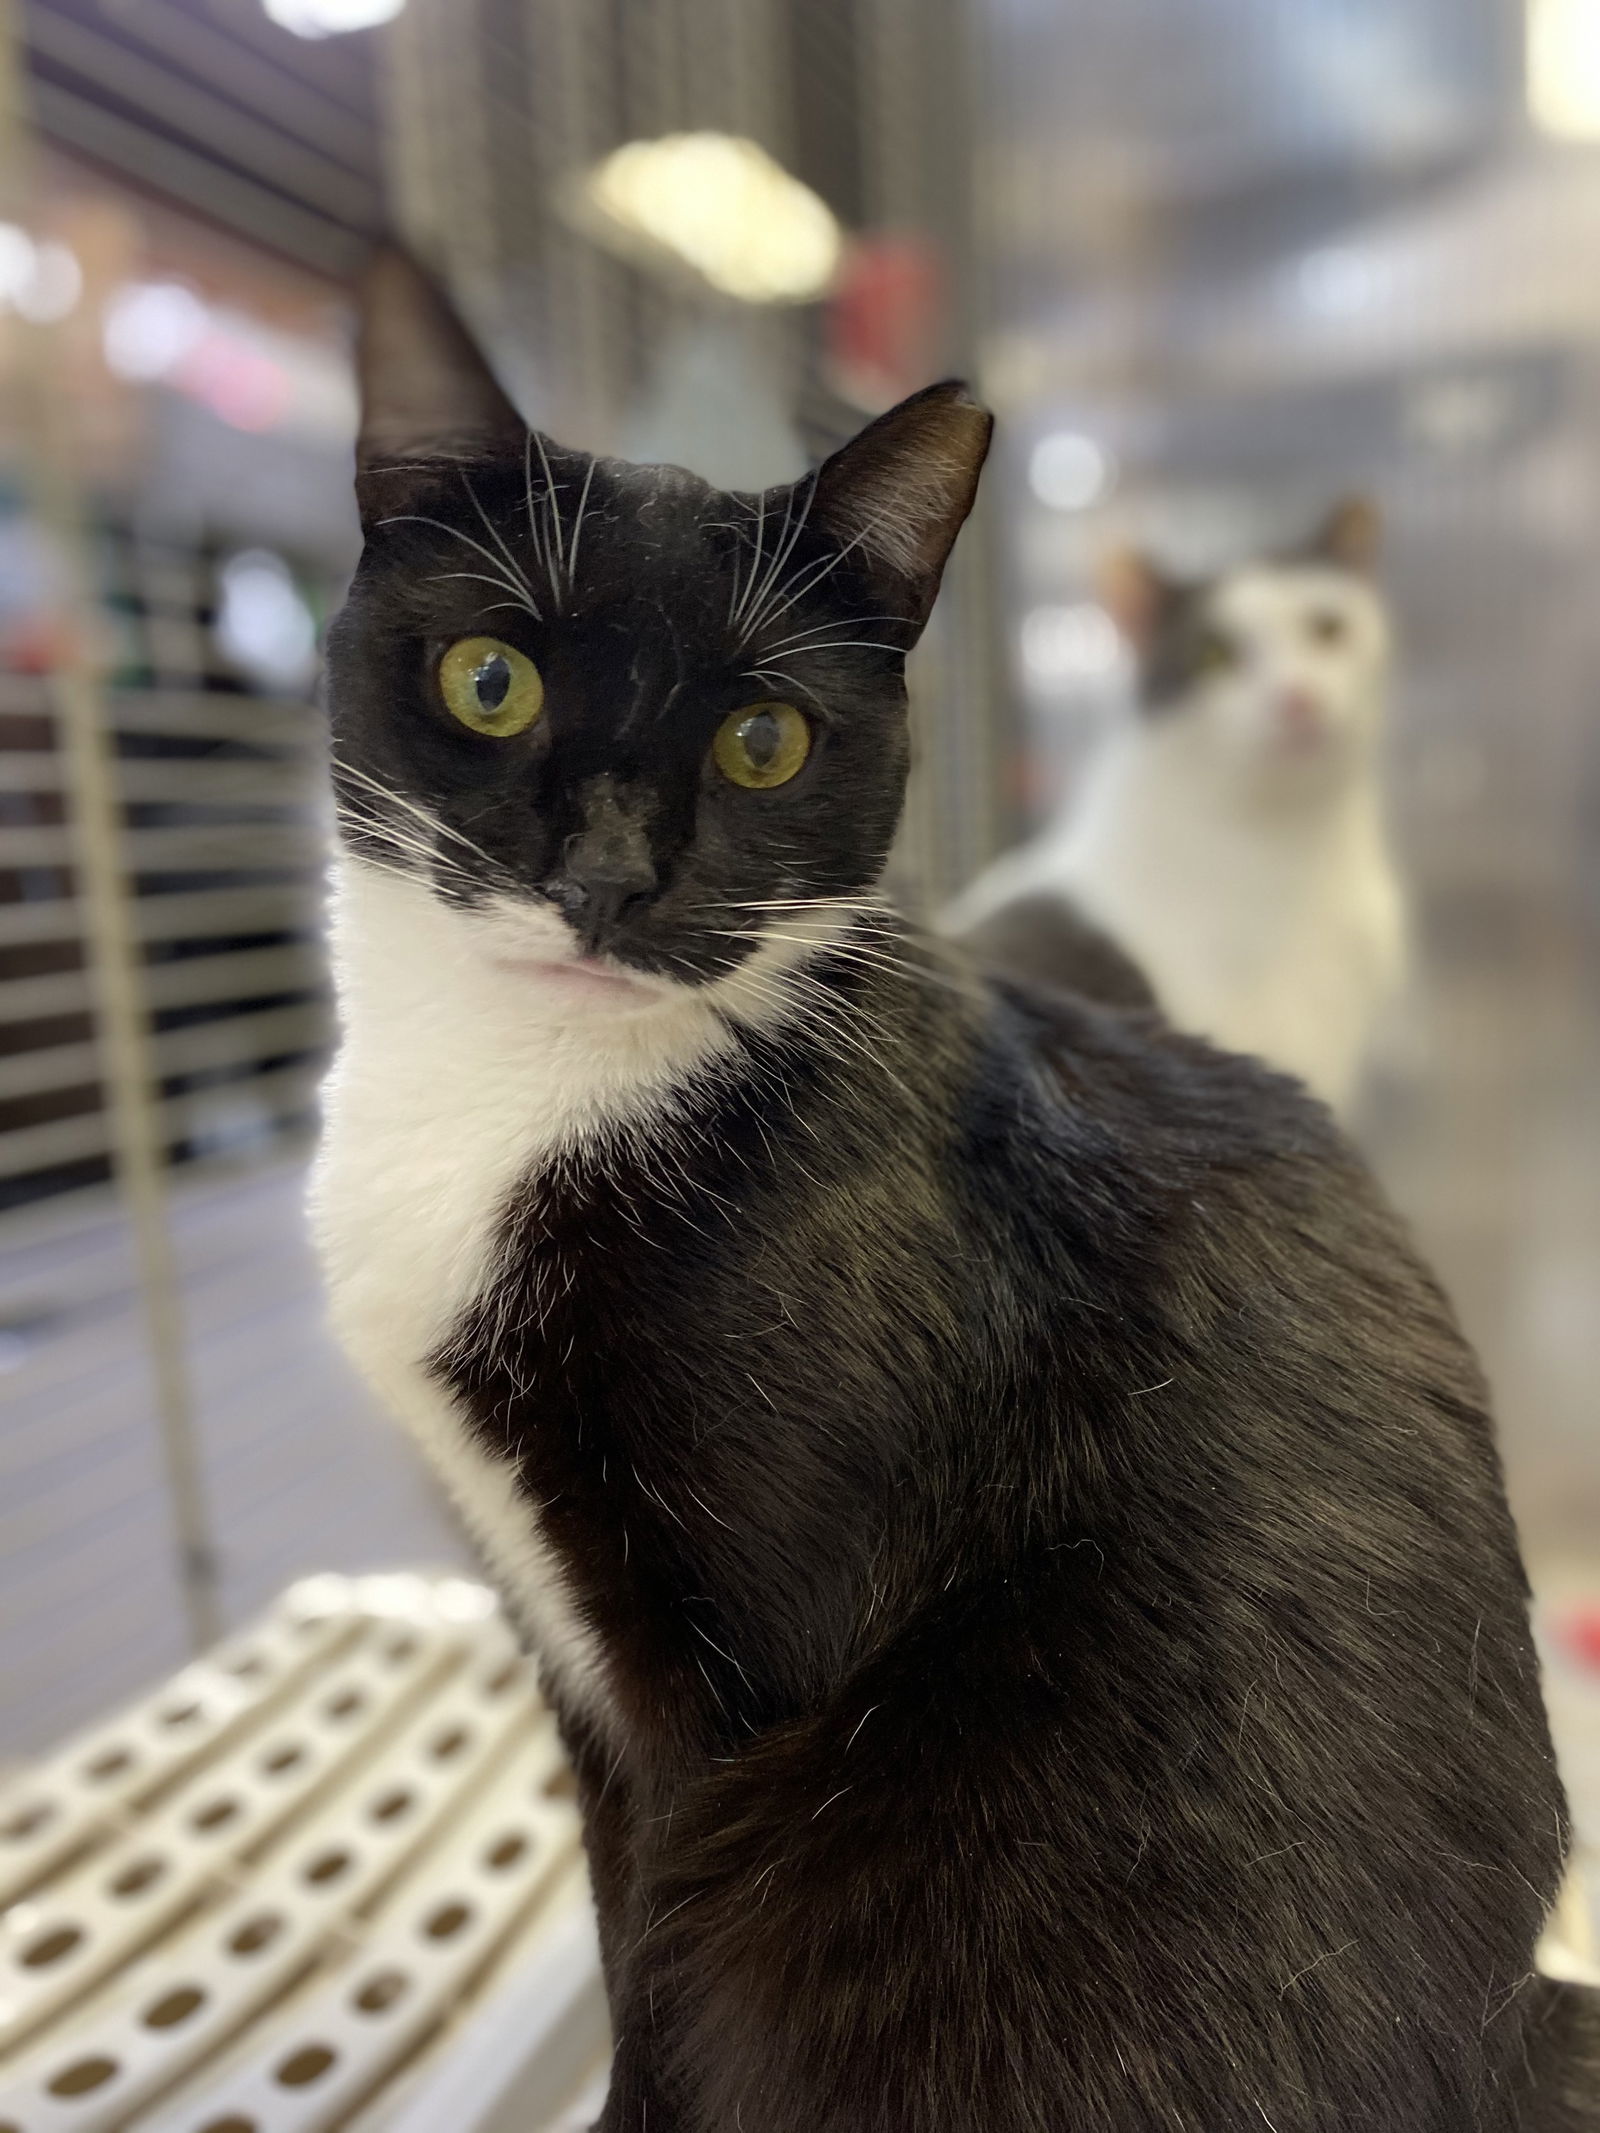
[116,966]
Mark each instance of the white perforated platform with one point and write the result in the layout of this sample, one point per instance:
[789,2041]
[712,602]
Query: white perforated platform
[330,1876]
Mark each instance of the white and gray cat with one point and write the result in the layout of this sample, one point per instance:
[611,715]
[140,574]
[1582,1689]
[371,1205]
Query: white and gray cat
[1229,834]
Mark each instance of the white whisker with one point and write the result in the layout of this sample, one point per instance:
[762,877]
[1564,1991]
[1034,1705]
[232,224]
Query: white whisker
[535,531]
[755,561]
[770,673]
[758,593]
[577,528]
[516,569]
[411,807]
[439,577]
[823,1012]
[841,644]
[418,518]
[552,505]
[817,572]
[843,622]
[760,614]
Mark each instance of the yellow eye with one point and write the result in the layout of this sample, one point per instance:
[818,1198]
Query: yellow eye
[490,686]
[761,746]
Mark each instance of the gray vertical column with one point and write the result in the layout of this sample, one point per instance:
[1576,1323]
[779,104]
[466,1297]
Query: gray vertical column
[917,133]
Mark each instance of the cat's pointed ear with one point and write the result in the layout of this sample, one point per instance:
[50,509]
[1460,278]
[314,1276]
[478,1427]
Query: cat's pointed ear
[1134,592]
[897,494]
[1349,534]
[427,395]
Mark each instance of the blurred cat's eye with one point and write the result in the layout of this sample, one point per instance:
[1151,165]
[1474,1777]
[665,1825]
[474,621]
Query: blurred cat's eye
[490,686]
[1215,652]
[1327,626]
[761,746]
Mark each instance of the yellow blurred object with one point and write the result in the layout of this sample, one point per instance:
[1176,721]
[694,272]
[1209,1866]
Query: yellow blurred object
[331,18]
[1564,67]
[722,207]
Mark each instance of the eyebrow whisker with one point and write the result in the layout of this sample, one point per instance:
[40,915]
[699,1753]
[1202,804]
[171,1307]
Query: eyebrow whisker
[736,606]
[752,591]
[777,673]
[498,538]
[517,599]
[762,612]
[558,565]
[577,528]
[418,518]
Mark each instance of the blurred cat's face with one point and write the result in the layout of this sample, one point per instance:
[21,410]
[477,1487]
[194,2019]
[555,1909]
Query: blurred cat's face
[626,727]
[1289,666]
[1273,674]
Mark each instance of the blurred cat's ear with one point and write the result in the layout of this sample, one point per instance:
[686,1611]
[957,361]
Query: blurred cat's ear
[1133,592]
[897,494]
[427,395]
[1349,534]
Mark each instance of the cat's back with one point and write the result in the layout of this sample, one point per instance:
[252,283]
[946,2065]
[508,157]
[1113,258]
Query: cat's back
[1267,1313]
[1214,1765]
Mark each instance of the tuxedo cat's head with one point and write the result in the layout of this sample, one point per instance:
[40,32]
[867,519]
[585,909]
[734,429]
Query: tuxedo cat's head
[1279,665]
[620,721]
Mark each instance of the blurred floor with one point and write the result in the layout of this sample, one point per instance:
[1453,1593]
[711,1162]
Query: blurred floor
[301,1473]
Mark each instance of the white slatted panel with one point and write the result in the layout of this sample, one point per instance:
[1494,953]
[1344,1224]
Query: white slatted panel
[282,1893]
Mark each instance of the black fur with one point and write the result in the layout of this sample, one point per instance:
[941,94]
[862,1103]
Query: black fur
[1046,938]
[1067,1639]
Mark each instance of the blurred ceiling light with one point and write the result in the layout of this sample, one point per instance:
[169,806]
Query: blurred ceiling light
[149,327]
[40,281]
[1564,67]
[1069,471]
[263,624]
[331,18]
[720,206]
[1065,647]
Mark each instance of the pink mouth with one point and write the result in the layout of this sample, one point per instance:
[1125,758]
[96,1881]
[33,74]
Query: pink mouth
[582,974]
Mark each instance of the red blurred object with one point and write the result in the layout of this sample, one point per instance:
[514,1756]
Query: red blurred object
[885,319]
[1577,1631]
[238,383]
[32,644]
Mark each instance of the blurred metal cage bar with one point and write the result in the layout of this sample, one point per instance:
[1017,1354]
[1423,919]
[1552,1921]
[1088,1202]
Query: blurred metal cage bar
[111,944]
[489,105]
[163,1004]
[213,793]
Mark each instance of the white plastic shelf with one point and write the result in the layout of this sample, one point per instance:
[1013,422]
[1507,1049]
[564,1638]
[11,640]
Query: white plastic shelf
[280,1895]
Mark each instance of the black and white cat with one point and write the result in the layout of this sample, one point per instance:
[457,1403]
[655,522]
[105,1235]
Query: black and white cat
[1229,833]
[1011,1533]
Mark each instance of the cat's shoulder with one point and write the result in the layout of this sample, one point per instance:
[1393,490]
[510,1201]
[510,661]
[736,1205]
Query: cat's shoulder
[1153,1097]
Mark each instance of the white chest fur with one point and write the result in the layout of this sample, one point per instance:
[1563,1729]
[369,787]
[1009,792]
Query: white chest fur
[454,1083]
[1274,930]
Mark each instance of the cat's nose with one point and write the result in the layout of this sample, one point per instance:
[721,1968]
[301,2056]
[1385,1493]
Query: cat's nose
[1300,716]
[607,868]
[601,881]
